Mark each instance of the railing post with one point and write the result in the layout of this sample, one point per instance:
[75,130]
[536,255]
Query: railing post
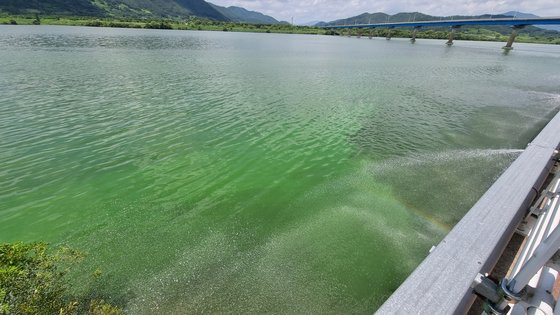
[542,254]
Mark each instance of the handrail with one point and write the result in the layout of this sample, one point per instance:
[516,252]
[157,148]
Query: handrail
[530,267]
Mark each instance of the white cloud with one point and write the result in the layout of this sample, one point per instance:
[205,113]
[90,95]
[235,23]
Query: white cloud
[328,10]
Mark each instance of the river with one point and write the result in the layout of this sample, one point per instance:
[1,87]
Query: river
[252,173]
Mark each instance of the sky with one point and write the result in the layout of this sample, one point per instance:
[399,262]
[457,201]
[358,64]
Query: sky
[304,11]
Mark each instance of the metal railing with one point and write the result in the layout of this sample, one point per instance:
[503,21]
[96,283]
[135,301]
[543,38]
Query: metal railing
[443,282]
[532,271]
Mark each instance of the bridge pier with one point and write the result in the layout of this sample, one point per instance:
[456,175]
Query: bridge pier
[414,31]
[390,33]
[514,32]
[452,34]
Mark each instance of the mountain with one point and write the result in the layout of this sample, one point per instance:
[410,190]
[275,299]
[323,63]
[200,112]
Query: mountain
[520,15]
[174,9]
[148,9]
[62,7]
[238,14]
[380,17]
[529,15]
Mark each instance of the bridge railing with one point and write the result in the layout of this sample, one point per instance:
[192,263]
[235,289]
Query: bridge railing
[441,284]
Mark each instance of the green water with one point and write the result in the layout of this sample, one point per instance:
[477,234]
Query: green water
[224,172]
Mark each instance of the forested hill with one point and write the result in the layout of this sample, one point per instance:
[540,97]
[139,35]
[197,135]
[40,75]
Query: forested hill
[114,8]
[379,17]
[62,7]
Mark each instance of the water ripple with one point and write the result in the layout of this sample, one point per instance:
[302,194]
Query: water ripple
[212,162]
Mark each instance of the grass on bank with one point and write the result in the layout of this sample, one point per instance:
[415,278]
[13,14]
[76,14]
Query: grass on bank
[475,34]
[33,281]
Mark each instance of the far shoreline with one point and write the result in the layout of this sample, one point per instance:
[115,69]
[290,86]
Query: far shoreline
[474,34]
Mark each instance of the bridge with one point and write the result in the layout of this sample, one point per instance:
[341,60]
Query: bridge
[515,23]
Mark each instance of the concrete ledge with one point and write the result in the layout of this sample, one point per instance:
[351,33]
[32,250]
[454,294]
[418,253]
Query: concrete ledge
[441,284]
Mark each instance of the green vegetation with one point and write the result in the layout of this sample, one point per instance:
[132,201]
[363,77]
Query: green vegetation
[477,34]
[190,24]
[33,281]
[37,20]
[158,25]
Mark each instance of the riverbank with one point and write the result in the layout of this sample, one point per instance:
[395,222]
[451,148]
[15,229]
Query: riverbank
[473,34]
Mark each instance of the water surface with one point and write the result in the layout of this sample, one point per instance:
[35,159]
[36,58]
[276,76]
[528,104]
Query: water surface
[251,173]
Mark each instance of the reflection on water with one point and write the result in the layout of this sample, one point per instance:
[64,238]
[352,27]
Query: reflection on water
[229,172]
